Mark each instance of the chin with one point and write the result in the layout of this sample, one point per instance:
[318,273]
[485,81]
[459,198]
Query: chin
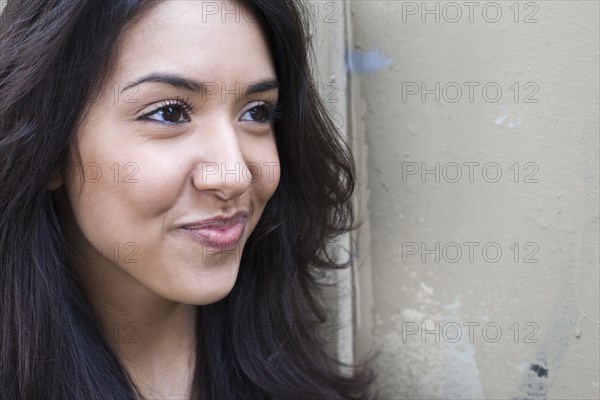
[206,288]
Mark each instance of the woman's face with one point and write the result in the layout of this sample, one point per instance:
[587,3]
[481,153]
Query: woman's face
[180,133]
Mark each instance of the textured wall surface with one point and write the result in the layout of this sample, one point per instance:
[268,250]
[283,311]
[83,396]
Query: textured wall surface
[477,124]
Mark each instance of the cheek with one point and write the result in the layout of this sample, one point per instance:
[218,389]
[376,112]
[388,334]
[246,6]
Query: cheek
[120,191]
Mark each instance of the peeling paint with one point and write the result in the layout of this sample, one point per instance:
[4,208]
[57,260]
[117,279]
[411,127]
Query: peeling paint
[551,351]
[460,379]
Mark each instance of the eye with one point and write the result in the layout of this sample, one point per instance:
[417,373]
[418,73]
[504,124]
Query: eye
[262,113]
[169,112]
[172,114]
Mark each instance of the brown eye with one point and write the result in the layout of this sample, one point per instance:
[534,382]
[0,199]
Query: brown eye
[171,114]
[259,114]
[263,114]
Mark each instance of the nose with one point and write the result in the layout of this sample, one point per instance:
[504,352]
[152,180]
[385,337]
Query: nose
[223,168]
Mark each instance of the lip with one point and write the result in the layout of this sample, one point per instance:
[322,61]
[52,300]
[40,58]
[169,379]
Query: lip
[221,233]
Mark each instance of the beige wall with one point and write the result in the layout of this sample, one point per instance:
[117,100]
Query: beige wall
[544,296]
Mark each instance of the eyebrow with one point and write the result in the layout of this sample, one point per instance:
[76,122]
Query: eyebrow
[191,85]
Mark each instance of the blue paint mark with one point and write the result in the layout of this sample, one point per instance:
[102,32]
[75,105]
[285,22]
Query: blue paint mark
[367,61]
[539,370]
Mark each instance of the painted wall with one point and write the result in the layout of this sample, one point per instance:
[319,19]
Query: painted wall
[477,126]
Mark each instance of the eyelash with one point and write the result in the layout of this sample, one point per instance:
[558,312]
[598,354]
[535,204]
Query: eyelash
[273,111]
[184,104]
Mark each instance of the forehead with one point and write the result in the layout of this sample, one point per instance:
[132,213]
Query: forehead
[212,44]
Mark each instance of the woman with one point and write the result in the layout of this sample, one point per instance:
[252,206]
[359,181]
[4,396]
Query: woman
[169,183]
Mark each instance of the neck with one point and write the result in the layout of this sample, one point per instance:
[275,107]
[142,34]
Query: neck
[153,337]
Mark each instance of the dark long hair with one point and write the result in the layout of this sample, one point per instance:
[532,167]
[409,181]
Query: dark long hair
[257,342]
